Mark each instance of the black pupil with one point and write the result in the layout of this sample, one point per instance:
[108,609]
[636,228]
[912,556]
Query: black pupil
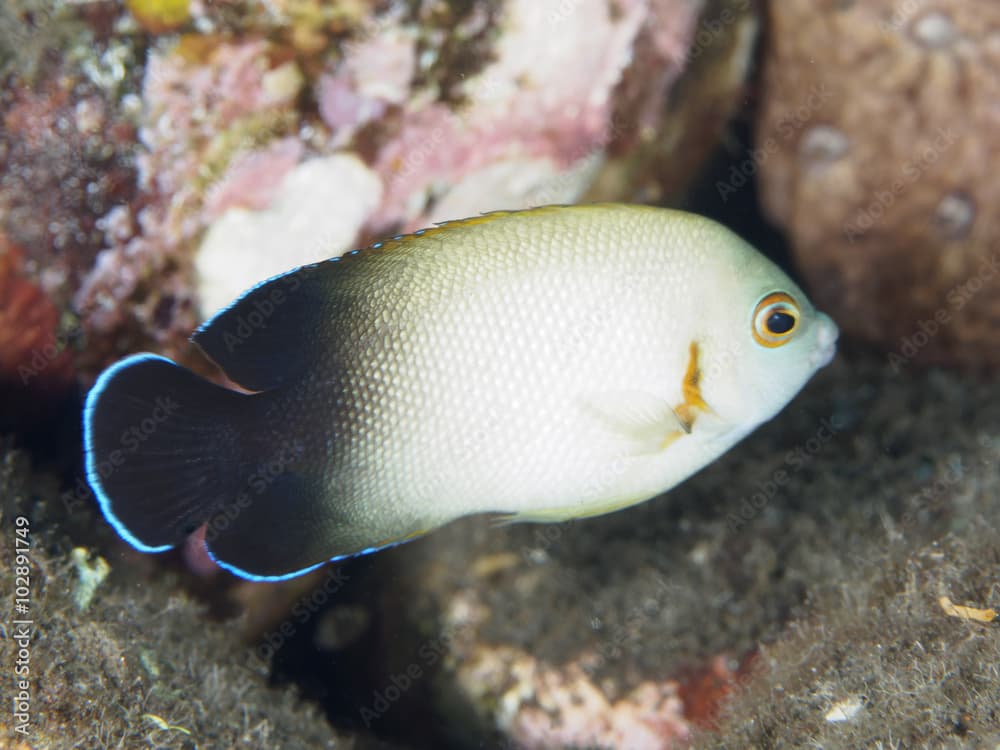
[780,322]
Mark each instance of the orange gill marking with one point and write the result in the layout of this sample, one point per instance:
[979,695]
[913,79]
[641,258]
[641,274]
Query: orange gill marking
[687,412]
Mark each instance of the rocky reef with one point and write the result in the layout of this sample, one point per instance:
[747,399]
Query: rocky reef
[831,581]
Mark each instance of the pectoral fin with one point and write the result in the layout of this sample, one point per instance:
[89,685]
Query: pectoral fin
[647,421]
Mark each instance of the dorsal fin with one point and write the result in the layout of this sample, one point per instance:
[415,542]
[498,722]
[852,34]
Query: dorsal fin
[273,332]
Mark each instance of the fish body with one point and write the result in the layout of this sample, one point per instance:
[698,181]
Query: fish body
[546,364]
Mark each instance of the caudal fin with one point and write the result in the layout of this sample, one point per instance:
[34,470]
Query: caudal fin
[169,452]
[163,450]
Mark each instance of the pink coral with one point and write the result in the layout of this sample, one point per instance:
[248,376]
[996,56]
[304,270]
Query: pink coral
[253,178]
[195,108]
[548,95]
[381,67]
[343,108]
[541,706]
[375,73]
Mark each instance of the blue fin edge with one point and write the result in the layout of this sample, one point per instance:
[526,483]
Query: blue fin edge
[92,469]
[240,573]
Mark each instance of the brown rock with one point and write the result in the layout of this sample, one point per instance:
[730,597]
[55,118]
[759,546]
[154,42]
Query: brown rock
[659,143]
[876,132]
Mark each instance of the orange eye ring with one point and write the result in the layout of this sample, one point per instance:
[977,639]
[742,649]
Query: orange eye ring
[775,319]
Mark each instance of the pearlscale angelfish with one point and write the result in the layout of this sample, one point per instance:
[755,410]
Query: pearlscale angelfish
[546,364]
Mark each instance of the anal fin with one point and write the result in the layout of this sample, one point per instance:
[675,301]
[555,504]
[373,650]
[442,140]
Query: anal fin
[287,527]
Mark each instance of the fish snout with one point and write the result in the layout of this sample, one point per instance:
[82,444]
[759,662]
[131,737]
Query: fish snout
[826,341]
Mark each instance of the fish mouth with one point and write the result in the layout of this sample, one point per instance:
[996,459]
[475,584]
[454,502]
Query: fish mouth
[826,342]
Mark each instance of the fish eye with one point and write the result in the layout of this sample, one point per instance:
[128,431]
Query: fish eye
[775,319]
